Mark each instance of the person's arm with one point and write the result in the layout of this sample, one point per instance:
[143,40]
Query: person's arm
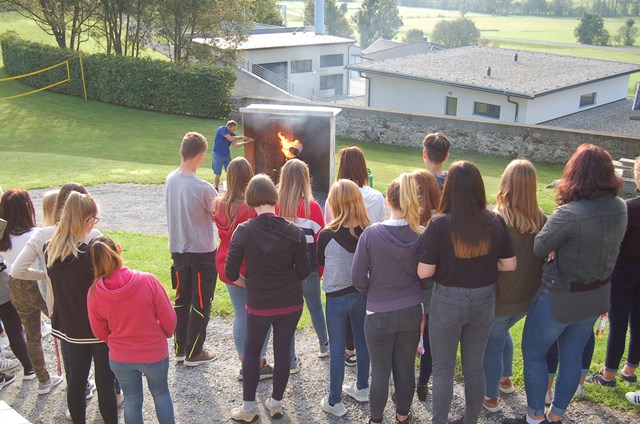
[555,233]
[21,268]
[233,139]
[323,240]
[425,270]
[99,325]
[301,258]
[235,254]
[360,265]
[507,264]
[165,314]
[507,260]
[429,253]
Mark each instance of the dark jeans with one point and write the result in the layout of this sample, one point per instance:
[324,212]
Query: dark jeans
[284,327]
[194,276]
[13,327]
[77,364]
[587,355]
[624,312]
[392,339]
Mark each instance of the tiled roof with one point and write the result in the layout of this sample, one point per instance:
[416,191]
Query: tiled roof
[534,74]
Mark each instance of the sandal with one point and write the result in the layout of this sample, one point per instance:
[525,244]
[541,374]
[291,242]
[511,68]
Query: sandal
[407,420]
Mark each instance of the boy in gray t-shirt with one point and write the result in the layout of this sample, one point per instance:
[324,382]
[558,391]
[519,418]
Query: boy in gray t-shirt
[193,250]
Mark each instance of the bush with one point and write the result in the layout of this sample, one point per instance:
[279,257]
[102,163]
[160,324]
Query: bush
[186,89]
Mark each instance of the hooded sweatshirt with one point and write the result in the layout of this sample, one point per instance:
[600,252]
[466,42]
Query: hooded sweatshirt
[131,312]
[385,266]
[225,230]
[277,261]
[373,201]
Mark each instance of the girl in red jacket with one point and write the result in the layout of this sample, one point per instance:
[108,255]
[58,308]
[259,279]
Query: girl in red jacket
[131,312]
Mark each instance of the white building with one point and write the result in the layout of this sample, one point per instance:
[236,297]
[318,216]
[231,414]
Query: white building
[494,84]
[303,63]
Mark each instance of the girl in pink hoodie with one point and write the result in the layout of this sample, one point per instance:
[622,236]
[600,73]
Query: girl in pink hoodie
[131,312]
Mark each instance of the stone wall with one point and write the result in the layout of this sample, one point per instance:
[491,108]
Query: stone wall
[535,142]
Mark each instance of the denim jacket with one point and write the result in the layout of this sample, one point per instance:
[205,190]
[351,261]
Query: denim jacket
[586,236]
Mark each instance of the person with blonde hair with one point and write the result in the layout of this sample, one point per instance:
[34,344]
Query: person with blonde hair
[277,259]
[71,273]
[463,249]
[296,204]
[49,207]
[517,204]
[336,246]
[229,211]
[131,312]
[384,269]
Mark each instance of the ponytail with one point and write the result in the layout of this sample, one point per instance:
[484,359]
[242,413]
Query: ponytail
[104,259]
[402,195]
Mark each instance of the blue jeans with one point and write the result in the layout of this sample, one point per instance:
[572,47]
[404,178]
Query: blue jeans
[129,375]
[341,309]
[540,332]
[238,296]
[498,356]
[313,300]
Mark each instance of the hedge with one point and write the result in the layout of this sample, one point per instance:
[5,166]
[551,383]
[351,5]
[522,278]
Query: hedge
[163,86]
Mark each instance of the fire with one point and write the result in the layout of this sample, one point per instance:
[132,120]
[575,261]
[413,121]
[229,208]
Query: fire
[290,149]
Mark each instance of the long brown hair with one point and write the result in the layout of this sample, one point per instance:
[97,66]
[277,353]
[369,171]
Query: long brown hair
[105,259]
[17,209]
[588,173]
[347,205]
[465,202]
[239,173]
[63,194]
[517,200]
[402,195]
[428,193]
[353,166]
[294,184]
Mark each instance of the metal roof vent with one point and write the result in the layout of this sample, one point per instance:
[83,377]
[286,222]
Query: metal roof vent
[489,71]
[515,57]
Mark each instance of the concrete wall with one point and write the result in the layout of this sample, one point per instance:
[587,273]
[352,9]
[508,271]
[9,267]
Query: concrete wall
[535,142]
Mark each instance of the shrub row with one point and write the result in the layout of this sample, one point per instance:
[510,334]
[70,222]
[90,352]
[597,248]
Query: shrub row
[163,86]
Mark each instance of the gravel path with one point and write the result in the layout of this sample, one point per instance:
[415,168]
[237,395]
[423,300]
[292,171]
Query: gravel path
[206,394]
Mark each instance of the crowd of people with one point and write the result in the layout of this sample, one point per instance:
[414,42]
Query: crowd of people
[430,269]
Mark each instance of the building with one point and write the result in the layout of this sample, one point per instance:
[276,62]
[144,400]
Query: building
[494,84]
[387,49]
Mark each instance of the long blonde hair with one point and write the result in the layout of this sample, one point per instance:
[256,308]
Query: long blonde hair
[294,184]
[402,195]
[49,207]
[239,173]
[104,259]
[71,229]
[347,205]
[517,201]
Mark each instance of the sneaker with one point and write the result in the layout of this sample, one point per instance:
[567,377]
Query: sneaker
[361,395]
[549,397]
[633,397]
[599,379]
[119,399]
[628,378]
[239,414]
[29,375]
[7,364]
[324,350]
[44,388]
[45,329]
[350,360]
[516,420]
[338,409]
[180,357]
[266,371]
[407,420]
[547,421]
[296,364]
[506,386]
[4,342]
[492,404]
[6,379]
[89,389]
[7,354]
[201,358]
[421,390]
[580,392]
[274,411]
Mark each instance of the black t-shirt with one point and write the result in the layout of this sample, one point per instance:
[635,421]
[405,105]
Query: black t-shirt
[437,249]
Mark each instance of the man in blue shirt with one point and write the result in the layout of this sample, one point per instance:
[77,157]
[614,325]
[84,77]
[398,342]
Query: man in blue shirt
[225,137]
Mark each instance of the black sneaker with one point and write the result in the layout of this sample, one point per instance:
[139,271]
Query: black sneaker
[518,420]
[6,379]
[421,391]
[350,360]
[599,379]
[630,379]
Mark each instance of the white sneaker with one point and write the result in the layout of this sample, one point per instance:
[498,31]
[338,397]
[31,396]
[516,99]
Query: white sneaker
[361,395]
[338,409]
[239,414]
[7,354]
[4,342]
[89,389]
[549,397]
[44,388]
[45,328]
[296,364]
[580,392]
[633,397]
[274,411]
[7,364]
[324,350]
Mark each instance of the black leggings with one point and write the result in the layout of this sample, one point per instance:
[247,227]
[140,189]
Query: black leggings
[284,327]
[624,312]
[13,327]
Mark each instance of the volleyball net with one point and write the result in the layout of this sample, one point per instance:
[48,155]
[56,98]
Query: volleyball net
[37,90]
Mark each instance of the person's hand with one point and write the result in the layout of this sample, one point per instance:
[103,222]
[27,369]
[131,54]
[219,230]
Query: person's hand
[247,139]
[551,256]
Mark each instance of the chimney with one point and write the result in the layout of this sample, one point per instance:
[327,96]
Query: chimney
[489,71]
[319,16]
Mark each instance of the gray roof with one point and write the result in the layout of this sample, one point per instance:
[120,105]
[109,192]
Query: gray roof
[402,50]
[290,39]
[380,44]
[534,74]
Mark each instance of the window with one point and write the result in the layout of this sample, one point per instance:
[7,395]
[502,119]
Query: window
[587,99]
[329,82]
[486,109]
[298,66]
[331,60]
[452,106]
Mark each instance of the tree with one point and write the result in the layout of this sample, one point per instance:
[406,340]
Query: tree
[125,25]
[223,23]
[627,33]
[413,36]
[457,33]
[266,12]
[335,18]
[591,30]
[377,19]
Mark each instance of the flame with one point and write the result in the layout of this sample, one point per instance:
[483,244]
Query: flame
[289,147]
